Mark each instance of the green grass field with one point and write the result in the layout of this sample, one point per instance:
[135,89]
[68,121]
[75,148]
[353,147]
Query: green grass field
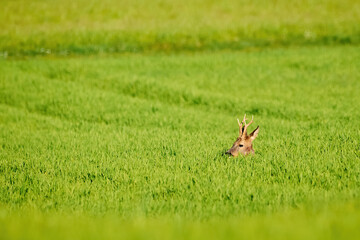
[78,27]
[99,140]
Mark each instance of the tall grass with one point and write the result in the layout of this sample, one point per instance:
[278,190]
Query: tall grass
[142,137]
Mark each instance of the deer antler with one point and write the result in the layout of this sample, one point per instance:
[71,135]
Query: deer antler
[241,126]
[246,125]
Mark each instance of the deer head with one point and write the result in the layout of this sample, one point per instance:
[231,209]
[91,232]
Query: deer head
[243,143]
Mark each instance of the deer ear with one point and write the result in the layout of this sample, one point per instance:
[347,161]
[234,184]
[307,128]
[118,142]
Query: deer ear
[254,134]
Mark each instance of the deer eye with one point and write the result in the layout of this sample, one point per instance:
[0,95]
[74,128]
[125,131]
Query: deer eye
[241,145]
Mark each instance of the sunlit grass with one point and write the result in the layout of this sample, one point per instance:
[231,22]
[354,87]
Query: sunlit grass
[334,222]
[88,27]
[140,139]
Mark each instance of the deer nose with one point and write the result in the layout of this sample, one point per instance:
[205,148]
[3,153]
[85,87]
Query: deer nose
[231,152]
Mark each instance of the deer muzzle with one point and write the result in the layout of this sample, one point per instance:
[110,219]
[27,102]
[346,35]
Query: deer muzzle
[233,151]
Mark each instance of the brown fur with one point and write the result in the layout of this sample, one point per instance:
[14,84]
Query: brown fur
[243,144]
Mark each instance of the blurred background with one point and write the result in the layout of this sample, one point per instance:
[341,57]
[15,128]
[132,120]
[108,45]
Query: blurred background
[43,27]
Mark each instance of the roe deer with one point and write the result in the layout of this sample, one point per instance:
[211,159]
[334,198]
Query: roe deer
[243,143]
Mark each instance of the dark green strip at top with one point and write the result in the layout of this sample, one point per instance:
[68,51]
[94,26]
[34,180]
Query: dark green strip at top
[88,43]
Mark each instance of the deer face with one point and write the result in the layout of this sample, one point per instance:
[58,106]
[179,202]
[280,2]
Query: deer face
[243,144]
